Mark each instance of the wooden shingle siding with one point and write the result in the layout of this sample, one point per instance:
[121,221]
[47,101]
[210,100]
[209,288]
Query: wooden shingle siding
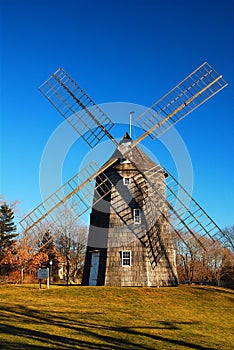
[113,230]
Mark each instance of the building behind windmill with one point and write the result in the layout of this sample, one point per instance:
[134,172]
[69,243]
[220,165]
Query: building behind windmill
[129,241]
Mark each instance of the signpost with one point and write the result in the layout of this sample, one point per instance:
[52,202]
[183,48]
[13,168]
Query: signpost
[43,274]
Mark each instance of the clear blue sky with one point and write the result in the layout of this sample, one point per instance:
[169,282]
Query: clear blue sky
[119,51]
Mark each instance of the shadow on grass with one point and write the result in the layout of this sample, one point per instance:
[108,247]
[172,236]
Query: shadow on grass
[24,328]
[213,290]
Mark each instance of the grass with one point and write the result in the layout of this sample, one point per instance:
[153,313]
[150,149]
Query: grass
[186,317]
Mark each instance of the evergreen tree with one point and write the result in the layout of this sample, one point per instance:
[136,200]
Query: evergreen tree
[7,229]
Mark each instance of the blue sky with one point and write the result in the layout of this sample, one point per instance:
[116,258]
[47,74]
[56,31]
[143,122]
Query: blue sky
[118,51]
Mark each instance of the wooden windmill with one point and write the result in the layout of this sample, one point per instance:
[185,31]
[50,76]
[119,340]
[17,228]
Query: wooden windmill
[136,204]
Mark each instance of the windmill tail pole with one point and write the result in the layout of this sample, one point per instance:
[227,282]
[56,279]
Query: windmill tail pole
[130,124]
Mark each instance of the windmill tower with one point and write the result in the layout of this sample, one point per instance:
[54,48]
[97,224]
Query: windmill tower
[135,203]
[129,240]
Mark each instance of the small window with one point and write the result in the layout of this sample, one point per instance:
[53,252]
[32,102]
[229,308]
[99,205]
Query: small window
[126,181]
[126,258]
[137,216]
[123,160]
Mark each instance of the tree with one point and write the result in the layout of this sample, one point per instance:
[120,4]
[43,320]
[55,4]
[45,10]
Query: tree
[227,272]
[48,246]
[7,237]
[27,260]
[47,242]
[71,242]
[24,254]
[214,264]
[186,257]
[229,232]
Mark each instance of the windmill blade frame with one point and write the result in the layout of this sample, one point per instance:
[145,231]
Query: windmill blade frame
[196,221]
[149,175]
[79,188]
[201,222]
[81,112]
[189,94]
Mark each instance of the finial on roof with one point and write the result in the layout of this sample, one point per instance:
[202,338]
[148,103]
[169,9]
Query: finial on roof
[126,136]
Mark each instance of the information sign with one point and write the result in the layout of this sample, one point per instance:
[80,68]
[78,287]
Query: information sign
[43,273]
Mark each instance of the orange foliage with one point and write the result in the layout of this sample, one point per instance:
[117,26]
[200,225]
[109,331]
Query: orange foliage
[8,257]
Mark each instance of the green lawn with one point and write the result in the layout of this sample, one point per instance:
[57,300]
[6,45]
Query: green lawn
[185,317]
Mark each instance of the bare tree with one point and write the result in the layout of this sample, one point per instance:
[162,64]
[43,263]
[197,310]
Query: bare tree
[227,272]
[71,239]
[213,265]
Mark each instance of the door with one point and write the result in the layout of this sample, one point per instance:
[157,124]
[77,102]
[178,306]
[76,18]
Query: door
[94,268]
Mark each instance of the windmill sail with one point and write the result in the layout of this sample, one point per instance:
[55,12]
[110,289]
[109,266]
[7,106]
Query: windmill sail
[76,193]
[81,112]
[186,215]
[189,94]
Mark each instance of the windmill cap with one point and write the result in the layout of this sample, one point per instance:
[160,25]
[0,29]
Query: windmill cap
[126,138]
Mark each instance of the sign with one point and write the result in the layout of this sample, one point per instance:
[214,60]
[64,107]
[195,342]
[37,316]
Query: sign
[43,273]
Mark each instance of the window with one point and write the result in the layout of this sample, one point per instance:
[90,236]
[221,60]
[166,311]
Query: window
[126,181]
[137,216]
[123,160]
[126,258]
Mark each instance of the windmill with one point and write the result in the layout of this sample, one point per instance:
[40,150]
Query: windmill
[135,202]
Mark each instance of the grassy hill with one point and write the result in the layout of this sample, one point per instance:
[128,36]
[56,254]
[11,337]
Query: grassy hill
[186,317]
